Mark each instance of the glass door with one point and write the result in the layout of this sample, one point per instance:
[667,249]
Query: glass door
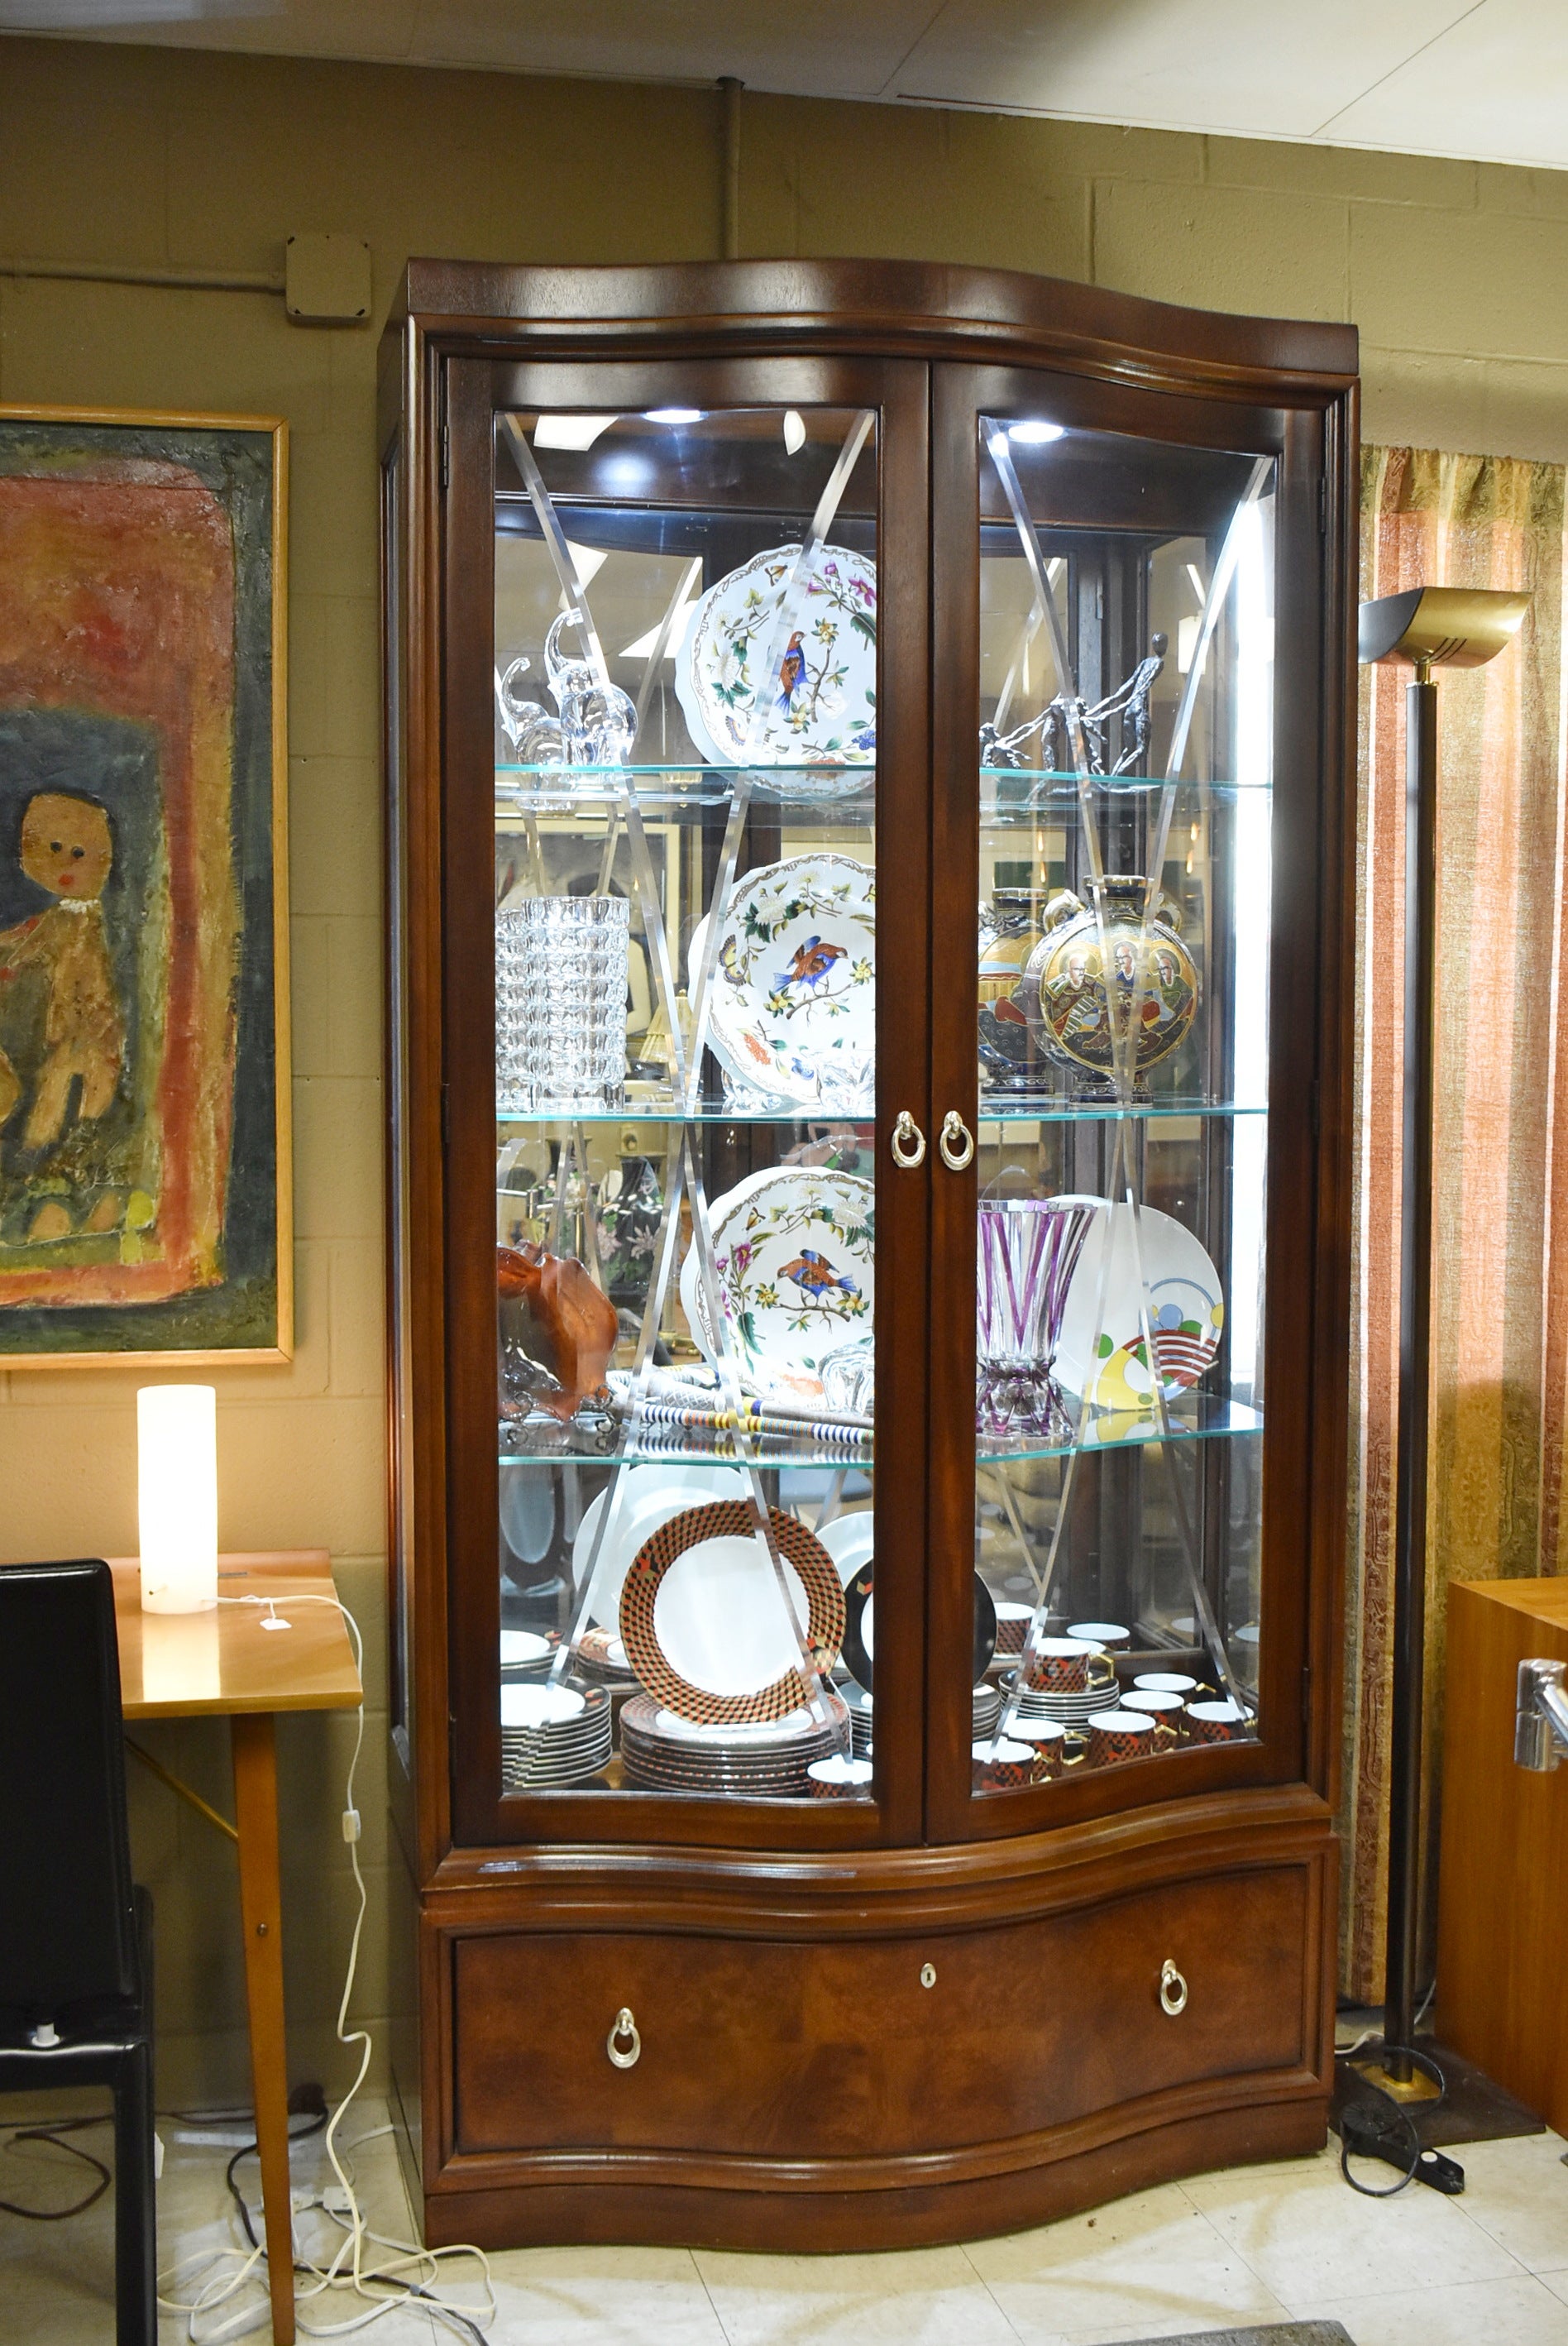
[689,790]
[1108,1151]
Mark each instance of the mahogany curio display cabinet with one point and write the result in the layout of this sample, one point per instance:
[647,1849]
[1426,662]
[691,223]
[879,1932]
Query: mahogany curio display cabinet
[867,783]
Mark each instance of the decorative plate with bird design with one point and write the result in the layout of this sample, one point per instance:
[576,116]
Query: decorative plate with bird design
[794,1252]
[793,999]
[762,688]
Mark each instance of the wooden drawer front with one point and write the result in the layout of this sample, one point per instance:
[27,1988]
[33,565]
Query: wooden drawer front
[791,2049]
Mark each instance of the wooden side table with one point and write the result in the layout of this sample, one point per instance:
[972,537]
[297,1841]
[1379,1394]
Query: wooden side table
[201,1665]
[1502,1890]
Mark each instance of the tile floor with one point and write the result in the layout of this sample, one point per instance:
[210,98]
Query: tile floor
[1253,2245]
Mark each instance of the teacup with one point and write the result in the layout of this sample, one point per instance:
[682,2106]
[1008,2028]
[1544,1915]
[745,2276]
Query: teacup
[1117,1735]
[838,1778]
[1167,1682]
[1157,1704]
[1056,1748]
[1108,1633]
[1002,1766]
[1067,1666]
[1012,1627]
[1218,1723]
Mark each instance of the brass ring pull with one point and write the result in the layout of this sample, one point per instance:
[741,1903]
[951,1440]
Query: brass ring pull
[625,2027]
[905,1132]
[956,1142]
[1173,1991]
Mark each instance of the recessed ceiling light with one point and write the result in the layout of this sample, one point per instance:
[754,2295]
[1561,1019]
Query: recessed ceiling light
[570,431]
[1034,434]
[643,648]
[589,561]
[672,415]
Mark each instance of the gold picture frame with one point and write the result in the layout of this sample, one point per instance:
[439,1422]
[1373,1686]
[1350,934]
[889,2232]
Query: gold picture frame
[146,1127]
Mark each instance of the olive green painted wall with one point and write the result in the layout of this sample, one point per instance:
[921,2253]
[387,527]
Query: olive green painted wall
[156,156]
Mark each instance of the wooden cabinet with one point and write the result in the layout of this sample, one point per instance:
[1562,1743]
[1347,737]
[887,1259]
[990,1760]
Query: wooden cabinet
[1502,1908]
[868,985]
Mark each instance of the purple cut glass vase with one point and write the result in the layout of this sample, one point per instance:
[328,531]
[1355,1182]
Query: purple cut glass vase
[1029,1250]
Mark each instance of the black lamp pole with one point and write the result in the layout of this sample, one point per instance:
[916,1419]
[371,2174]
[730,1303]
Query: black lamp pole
[1415,1365]
[1462,627]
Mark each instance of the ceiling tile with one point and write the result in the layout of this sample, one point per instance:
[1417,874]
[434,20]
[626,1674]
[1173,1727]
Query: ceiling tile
[378,30]
[1494,86]
[827,48]
[1486,81]
[1182,64]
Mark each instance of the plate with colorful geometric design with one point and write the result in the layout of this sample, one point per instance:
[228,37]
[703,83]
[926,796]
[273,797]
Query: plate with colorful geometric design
[1185,1309]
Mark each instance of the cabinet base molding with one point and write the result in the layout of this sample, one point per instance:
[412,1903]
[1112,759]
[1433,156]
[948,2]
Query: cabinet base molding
[644,2214]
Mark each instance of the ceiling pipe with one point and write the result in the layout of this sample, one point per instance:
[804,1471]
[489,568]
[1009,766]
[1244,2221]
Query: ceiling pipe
[729,89]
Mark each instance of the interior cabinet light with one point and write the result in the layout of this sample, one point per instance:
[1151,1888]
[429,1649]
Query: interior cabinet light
[672,415]
[1034,432]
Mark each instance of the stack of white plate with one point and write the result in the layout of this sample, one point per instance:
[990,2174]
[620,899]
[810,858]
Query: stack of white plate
[860,1710]
[987,1710]
[767,1761]
[1066,1710]
[552,1735]
[526,1653]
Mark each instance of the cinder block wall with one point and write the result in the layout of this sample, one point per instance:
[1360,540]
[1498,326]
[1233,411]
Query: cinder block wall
[154,157]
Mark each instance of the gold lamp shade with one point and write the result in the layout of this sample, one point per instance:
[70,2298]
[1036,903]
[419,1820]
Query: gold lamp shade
[1441,626]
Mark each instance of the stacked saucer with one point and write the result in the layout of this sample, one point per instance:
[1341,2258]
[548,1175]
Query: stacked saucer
[765,1761]
[1066,1710]
[602,1659]
[552,1735]
[987,1710]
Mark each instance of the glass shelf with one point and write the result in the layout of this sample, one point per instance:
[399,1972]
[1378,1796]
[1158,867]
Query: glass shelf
[685,1448]
[1048,1108]
[688,771]
[706,1112]
[1052,1108]
[1193,1418]
[1061,790]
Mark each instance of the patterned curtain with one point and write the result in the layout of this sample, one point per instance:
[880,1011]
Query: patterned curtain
[1499,1336]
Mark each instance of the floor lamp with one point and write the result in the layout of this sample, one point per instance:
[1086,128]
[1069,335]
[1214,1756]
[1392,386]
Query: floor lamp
[1429,627]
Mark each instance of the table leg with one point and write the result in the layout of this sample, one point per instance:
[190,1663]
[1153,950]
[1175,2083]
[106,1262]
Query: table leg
[256,1813]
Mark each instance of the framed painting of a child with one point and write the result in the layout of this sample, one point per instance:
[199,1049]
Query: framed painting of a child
[145,1193]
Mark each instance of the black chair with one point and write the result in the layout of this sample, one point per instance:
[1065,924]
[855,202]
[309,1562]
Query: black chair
[76,1936]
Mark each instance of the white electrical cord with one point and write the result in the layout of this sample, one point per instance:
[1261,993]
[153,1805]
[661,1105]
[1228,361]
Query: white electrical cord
[396,2288]
[1375,2036]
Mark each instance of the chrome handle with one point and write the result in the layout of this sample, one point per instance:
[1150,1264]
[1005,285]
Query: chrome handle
[625,2027]
[956,1142]
[906,1130]
[1173,1990]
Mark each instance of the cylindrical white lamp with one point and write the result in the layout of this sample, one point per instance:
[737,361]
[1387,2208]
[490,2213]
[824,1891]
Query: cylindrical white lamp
[177,1495]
